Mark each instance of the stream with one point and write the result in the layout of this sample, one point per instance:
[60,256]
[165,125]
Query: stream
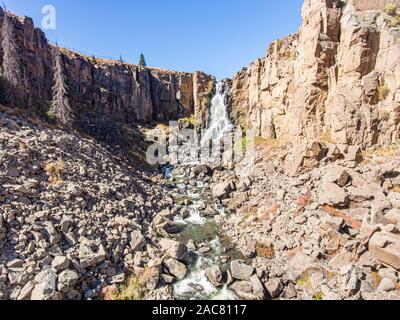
[201,213]
[203,232]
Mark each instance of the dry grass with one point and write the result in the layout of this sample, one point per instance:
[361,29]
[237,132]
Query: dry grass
[54,170]
[376,279]
[395,22]
[319,296]
[190,120]
[305,282]
[133,289]
[265,252]
[391,9]
[383,92]
[390,150]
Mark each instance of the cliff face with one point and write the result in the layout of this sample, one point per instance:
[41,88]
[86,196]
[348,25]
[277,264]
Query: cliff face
[119,90]
[337,79]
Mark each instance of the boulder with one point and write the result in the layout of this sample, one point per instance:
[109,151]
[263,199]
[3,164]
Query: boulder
[89,257]
[274,287]
[394,198]
[337,174]
[45,288]
[223,189]
[176,268]
[214,275]
[60,263]
[386,248]
[331,194]
[174,249]
[244,290]
[138,241]
[241,271]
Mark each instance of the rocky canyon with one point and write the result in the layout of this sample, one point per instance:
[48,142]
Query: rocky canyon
[312,214]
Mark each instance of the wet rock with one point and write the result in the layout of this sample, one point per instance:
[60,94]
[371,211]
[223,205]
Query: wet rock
[223,189]
[214,275]
[174,249]
[176,268]
[240,270]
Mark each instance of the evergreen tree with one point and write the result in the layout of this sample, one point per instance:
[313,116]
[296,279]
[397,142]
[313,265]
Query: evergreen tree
[142,61]
[12,76]
[60,107]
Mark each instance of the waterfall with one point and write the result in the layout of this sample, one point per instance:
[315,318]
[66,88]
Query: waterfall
[219,120]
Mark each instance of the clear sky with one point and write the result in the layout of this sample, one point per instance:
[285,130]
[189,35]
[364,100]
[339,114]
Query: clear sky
[216,36]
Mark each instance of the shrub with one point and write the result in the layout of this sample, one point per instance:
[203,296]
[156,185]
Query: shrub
[395,22]
[54,170]
[133,289]
[391,9]
[383,92]
[265,252]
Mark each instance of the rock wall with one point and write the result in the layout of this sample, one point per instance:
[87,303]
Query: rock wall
[111,88]
[337,79]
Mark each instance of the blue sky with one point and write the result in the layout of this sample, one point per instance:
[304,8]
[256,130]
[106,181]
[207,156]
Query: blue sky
[216,36]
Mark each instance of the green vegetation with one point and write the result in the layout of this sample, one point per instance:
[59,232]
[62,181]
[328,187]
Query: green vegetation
[133,289]
[142,61]
[319,296]
[190,120]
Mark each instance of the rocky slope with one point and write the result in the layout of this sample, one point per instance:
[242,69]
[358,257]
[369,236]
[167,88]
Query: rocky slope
[330,233]
[74,214]
[337,79]
[126,92]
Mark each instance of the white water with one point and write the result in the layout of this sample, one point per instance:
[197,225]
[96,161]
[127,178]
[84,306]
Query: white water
[219,120]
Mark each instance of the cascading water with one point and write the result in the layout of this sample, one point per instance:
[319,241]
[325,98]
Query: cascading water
[199,228]
[219,121]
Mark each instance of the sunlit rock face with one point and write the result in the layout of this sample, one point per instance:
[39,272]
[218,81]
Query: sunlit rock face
[337,78]
[123,91]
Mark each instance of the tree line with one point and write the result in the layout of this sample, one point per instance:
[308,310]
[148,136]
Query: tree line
[14,83]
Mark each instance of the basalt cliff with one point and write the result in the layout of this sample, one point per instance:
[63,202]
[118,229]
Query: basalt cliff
[336,80]
[114,89]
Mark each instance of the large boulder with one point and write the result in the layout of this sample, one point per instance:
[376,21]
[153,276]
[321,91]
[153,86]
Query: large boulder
[331,194]
[174,249]
[241,271]
[386,248]
[176,268]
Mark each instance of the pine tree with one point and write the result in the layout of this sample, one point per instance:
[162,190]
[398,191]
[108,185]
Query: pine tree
[12,76]
[60,107]
[142,61]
